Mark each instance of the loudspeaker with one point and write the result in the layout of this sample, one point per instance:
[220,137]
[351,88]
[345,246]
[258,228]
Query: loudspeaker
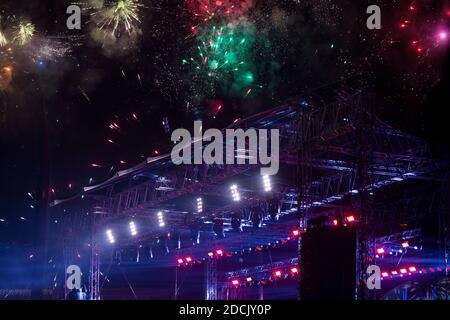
[328,263]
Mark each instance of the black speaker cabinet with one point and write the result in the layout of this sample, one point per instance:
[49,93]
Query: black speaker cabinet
[328,264]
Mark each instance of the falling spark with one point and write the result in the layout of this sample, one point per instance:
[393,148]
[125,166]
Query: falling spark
[84,94]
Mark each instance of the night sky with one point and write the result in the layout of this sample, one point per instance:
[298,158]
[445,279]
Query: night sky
[101,93]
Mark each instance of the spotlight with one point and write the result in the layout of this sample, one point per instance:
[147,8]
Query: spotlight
[405,244]
[266,183]
[210,254]
[235,282]
[278,273]
[412,269]
[350,218]
[180,261]
[249,279]
[403,271]
[188,259]
[294,270]
[295,232]
[110,236]
[133,228]
[161,219]
[384,274]
[219,252]
[335,222]
[235,193]
[380,250]
[394,273]
[199,205]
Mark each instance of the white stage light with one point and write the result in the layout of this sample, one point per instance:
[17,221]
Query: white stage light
[161,219]
[133,228]
[266,183]
[235,193]
[110,236]
[199,205]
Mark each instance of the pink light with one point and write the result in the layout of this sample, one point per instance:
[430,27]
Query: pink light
[235,282]
[296,232]
[219,252]
[442,35]
[335,222]
[380,250]
[432,269]
[277,273]
[403,271]
[412,269]
[189,259]
[180,261]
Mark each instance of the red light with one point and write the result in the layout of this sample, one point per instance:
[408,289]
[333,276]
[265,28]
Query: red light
[294,270]
[219,252]
[423,271]
[412,8]
[412,269]
[380,250]
[235,282]
[335,222]
[402,25]
[403,271]
[180,261]
[432,269]
[189,259]
[384,274]
[277,273]
[249,279]
[405,244]
[296,232]
[350,218]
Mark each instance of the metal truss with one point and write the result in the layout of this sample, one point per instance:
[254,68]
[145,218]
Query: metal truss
[340,150]
[262,272]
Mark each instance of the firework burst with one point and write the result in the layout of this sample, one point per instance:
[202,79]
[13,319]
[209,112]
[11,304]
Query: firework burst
[3,40]
[120,16]
[24,33]
[224,56]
